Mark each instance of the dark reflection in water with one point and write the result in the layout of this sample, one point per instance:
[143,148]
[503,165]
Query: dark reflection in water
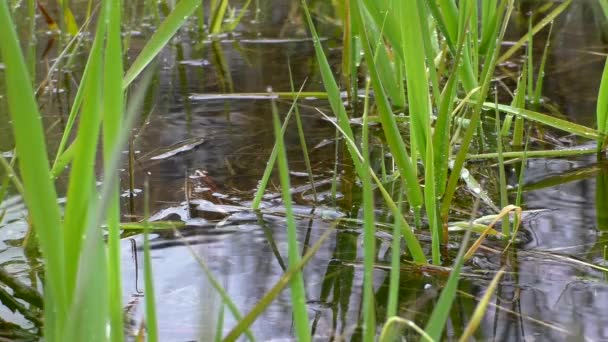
[552,291]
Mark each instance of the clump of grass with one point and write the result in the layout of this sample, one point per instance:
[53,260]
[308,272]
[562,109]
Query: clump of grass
[84,302]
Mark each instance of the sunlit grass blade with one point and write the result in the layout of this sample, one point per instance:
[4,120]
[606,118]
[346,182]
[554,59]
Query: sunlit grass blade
[41,196]
[182,10]
[298,292]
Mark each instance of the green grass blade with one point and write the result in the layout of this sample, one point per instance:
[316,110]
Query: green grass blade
[602,102]
[369,234]
[298,292]
[502,179]
[538,88]
[441,312]
[480,310]
[393,289]
[41,196]
[487,75]
[416,79]
[389,124]
[151,320]
[539,26]
[545,119]
[160,38]
[410,239]
[257,200]
[218,17]
[302,137]
[112,123]
[274,292]
[333,92]
[82,174]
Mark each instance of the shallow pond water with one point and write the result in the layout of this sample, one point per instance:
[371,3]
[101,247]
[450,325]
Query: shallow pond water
[203,155]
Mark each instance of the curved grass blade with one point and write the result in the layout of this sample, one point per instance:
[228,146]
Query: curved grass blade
[41,196]
[388,330]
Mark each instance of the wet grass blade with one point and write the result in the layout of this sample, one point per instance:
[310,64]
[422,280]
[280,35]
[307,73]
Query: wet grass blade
[538,88]
[182,10]
[298,293]
[41,196]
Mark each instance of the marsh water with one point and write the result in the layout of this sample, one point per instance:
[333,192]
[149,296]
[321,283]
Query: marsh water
[201,148]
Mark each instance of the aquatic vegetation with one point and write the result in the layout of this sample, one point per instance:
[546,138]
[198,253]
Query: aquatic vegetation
[428,76]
